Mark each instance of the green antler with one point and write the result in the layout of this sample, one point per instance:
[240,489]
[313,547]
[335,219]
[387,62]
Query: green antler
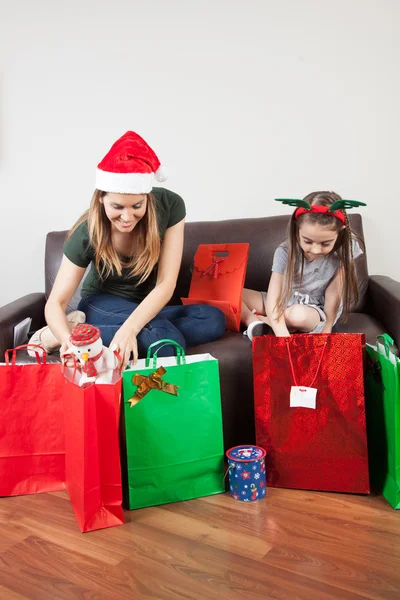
[294,202]
[339,204]
[346,204]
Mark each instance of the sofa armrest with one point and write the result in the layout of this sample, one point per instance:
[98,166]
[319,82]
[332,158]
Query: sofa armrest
[384,304]
[11,314]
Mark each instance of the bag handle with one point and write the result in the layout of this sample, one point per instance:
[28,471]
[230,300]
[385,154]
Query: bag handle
[14,354]
[180,352]
[119,359]
[316,372]
[387,342]
[65,359]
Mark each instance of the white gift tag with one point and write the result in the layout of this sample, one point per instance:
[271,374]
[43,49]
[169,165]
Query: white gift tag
[303,396]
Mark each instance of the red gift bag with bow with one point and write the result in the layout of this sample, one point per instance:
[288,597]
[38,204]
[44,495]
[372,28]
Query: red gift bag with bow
[219,271]
[310,411]
[92,453]
[31,426]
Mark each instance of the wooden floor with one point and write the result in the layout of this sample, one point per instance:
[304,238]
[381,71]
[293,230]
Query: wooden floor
[290,545]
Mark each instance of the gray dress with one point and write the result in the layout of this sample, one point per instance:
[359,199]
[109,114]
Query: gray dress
[317,275]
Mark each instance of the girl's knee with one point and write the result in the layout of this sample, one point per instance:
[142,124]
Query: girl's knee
[296,316]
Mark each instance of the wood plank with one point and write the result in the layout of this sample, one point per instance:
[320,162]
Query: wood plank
[10,537]
[310,518]
[7,594]
[232,575]
[220,536]
[38,568]
[369,579]
[333,557]
[50,517]
[293,545]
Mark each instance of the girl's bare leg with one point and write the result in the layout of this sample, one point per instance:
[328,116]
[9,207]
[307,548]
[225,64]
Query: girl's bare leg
[251,300]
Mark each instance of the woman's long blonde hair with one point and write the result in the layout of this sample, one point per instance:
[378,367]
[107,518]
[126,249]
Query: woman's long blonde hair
[146,245]
[343,249]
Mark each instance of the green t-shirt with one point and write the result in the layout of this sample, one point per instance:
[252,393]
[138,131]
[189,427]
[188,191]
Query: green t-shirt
[170,210]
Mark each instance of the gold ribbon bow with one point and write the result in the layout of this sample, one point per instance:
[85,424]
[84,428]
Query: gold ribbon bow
[151,382]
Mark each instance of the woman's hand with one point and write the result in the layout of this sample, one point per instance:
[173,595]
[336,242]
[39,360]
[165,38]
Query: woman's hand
[68,362]
[125,342]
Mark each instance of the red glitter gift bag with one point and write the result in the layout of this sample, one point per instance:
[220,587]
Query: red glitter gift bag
[310,411]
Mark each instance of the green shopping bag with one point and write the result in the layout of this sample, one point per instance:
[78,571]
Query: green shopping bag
[173,428]
[383,418]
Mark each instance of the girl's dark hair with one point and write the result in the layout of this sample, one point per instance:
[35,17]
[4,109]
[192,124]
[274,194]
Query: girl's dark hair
[343,248]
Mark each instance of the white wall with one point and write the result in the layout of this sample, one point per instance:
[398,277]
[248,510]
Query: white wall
[243,101]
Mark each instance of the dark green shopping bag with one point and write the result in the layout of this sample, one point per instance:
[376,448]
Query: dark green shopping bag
[383,419]
[173,428]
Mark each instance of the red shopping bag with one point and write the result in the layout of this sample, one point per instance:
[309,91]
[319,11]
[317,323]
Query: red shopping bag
[218,276]
[321,448]
[31,426]
[92,457]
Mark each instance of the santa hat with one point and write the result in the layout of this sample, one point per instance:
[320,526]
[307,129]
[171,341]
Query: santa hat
[84,335]
[127,168]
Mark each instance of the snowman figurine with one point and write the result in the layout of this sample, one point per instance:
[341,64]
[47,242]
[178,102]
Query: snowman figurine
[245,452]
[97,361]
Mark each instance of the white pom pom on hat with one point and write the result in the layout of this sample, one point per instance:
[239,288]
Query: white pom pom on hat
[161,174]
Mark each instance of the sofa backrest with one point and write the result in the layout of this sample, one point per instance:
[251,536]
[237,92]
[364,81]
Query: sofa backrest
[264,235]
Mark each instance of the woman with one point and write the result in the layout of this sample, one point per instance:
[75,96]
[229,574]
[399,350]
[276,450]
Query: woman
[132,238]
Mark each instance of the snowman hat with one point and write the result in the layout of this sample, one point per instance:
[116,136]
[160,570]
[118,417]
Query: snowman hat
[84,335]
[128,166]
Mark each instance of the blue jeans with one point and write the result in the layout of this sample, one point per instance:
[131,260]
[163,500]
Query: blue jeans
[187,325]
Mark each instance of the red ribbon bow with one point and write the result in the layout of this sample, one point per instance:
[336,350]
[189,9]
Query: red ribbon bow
[214,265]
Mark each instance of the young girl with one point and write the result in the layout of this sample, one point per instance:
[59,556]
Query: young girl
[313,280]
[132,238]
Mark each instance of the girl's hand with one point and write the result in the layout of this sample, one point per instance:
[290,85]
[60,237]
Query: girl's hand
[125,342]
[281,330]
[327,329]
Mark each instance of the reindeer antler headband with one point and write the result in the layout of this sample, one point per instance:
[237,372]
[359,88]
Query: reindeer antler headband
[335,210]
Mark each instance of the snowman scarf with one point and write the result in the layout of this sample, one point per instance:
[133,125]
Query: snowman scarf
[89,368]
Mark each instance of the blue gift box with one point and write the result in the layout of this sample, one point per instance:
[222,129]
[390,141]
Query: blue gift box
[246,467]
